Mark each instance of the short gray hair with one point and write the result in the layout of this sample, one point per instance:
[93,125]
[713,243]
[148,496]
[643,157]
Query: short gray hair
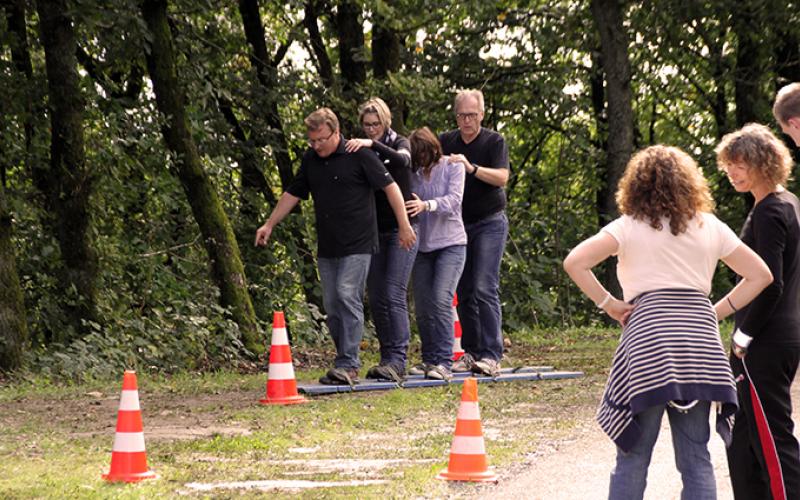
[466,94]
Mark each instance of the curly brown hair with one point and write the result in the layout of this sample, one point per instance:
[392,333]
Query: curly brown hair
[756,147]
[663,181]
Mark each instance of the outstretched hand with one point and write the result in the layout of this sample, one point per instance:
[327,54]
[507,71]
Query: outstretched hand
[415,206]
[354,145]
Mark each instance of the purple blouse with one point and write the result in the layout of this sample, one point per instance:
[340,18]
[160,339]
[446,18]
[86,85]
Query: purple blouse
[442,226]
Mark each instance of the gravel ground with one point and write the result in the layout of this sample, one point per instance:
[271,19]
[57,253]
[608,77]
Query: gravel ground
[578,468]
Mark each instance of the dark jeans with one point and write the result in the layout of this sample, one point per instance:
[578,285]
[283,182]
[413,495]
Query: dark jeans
[343,280]
[387,290]
[479,288]
[435,277]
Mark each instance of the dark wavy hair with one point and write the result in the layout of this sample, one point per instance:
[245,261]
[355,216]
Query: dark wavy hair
[425,149]
[663,182]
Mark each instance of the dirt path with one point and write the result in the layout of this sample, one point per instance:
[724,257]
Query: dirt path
[578,467]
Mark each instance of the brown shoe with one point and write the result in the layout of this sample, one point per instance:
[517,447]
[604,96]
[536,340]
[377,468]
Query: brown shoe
[340,376]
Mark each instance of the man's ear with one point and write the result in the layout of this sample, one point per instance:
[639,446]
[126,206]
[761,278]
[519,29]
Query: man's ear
[794,122]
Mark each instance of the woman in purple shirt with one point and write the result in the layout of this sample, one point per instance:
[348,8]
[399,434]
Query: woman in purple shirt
[437,187]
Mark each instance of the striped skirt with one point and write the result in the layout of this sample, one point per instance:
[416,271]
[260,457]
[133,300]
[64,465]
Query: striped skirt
[670,350]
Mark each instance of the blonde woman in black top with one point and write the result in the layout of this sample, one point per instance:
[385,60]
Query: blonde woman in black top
[763,458]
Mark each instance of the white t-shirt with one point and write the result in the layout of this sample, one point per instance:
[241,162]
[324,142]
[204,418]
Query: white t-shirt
[650,259]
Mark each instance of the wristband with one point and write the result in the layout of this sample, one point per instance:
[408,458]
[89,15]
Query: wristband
[741,339]
[605,301]
[474,171]
[728,298]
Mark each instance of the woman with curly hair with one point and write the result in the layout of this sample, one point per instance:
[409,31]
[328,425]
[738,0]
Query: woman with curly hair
[764,458]
[670,358]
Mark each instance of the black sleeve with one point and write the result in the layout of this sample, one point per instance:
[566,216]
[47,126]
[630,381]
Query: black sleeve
[377,175]
[769,231]
[299,186]
[499,153]
[399,160]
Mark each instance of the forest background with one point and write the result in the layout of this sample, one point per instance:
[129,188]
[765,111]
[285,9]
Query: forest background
[143,142]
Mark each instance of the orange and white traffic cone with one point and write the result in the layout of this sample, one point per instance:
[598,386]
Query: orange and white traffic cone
[468,454]
[128,456]
[281,385]
[458,351]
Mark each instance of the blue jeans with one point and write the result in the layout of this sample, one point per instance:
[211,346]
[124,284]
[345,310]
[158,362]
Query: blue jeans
[479,288]
[343,280]
[435,277]
[387,290]
[690,433]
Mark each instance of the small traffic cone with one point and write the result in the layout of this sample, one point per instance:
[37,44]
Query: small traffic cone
[281,385]
[458,351]
[128,457]
[468,454]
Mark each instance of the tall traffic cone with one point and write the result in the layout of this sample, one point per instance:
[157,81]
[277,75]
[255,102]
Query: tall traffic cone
[468,454]
[128,457]
[458,351]
[281,385]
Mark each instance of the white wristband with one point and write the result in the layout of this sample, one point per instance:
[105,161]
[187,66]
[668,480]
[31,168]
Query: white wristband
[605,301]
[741,339]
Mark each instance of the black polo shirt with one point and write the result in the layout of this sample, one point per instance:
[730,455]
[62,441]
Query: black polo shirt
[487,150]
[342,186]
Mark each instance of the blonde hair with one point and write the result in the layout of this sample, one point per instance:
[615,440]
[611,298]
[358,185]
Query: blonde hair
[320,117]
[466,94]
[377,106]
[663,181]
[787,103]
[755,146]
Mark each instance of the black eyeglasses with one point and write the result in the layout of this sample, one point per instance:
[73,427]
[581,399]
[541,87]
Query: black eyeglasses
[320,141]
[466,116]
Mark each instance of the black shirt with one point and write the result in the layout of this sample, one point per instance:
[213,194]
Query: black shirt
[342,186]
[399,166]
[772,230]
[487,150]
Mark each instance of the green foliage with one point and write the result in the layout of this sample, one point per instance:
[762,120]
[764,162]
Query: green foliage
[536,61]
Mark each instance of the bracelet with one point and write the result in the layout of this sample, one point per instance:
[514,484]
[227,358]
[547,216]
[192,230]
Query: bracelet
[728,298]
[605,301]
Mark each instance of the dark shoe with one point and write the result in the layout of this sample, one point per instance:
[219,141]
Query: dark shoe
[386,372]
[439,372]
[487,366]
[340,376]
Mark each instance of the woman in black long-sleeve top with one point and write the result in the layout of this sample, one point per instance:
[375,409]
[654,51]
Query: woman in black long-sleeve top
[764,459]
[390,269]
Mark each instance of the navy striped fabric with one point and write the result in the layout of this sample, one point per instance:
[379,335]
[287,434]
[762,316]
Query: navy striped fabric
[670,350]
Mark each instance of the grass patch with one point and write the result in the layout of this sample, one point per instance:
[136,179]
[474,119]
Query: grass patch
[56,439]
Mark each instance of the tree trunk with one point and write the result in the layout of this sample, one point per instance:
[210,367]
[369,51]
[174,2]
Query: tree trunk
[752,61]
[387,46]
[616,66]
[323,62]
[69,184]
[13,325]
[350,32]
[226,264]
[266,68]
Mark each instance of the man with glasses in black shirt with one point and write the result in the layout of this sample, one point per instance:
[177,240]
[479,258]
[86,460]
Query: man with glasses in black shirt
[342,185]
[484,154]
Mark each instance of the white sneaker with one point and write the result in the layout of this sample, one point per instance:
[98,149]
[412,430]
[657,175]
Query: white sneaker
[487,366]
[465,364]
[418,369]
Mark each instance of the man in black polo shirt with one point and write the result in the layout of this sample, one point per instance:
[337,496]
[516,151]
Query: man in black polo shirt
[485,157]
[342,185]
